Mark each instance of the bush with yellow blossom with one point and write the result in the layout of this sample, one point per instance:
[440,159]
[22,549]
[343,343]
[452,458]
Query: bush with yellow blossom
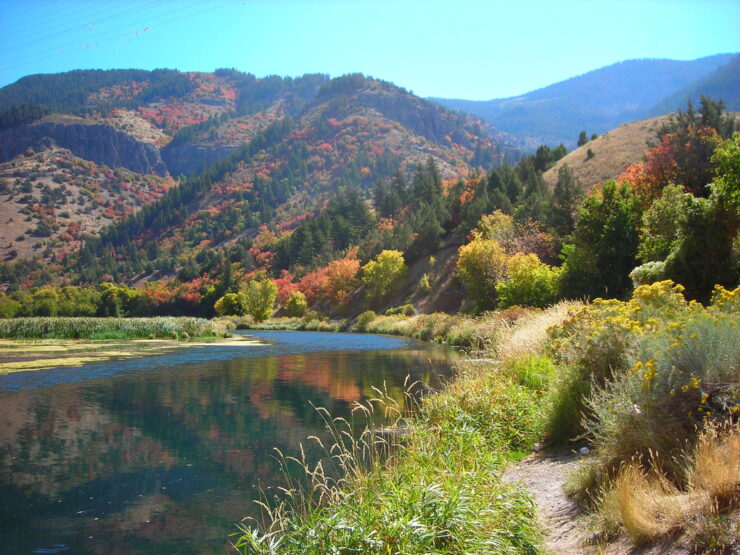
[652,373]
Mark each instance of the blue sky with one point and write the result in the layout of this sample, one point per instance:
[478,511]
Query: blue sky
[457,49]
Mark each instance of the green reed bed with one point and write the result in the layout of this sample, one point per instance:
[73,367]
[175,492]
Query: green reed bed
[106,328]
[427,483]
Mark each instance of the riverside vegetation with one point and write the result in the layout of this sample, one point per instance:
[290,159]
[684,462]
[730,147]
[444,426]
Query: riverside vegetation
[107,328]
[652,384]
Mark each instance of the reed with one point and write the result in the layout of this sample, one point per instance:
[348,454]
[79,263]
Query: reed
[106,328]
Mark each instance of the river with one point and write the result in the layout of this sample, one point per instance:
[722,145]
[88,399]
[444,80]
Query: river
[166,453]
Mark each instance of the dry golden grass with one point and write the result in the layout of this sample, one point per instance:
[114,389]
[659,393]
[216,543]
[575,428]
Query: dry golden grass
[650,507]
[613,152]
[528,334]
[716,468]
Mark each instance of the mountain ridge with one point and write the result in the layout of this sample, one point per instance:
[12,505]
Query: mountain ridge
[314,135]
[596,101]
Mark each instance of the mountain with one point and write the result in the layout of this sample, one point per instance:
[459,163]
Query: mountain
[595,101]
[723,83]
[611,153]
[248,152]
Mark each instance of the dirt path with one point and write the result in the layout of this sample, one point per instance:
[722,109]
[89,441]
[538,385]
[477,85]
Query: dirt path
[544,474]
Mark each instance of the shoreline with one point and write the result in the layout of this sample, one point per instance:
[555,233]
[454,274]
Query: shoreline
[26,355]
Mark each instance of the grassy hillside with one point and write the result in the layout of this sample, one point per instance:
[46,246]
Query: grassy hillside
[612,153]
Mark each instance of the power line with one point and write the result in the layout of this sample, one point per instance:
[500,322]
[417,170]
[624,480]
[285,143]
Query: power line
[74,46]
[76,28]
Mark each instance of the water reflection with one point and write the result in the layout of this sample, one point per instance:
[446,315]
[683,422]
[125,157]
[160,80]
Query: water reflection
[168,458]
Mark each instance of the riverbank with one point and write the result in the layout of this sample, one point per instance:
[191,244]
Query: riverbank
[43,343]
[652,385]
[158,327]
[439,487]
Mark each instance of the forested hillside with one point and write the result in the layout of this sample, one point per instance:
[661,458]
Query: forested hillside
[514,240]
[258,152]
[277,167]
[600,100]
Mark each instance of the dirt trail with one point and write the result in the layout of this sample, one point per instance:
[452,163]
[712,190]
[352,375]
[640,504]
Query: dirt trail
[544,474]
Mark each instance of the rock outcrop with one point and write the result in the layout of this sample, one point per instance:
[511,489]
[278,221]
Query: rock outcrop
[189,159]
[100,143]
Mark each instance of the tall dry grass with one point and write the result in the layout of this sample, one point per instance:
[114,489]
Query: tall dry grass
[648,506]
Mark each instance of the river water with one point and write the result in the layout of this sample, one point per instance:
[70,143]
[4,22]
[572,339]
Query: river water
[164,454]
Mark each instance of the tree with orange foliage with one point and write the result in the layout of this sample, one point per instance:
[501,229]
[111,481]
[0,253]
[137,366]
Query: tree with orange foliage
[341,277]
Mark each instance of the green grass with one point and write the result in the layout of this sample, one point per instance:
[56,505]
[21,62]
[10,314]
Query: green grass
[434,489]
[437,487]
[107,328]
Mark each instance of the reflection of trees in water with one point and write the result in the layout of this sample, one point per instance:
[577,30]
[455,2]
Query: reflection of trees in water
[179,443]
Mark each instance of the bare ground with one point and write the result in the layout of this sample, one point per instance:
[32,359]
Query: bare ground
[544,474]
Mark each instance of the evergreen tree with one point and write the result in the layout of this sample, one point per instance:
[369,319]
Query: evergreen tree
[567,195]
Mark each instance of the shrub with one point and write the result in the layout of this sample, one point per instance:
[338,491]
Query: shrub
[406,310]
[640,378]
[363,320]
[311,315]
[424,283]
[529,282]
[648,273]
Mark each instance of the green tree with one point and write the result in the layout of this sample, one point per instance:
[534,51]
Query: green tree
[481,265]
[529,282]
[296,305]
[385,275]
[45,302]
[258,297]
[229,305]
[115,300]
[78,301]
[706,251]
[567,195]
[8,307]
[661,224]
[582,138]
[604,248]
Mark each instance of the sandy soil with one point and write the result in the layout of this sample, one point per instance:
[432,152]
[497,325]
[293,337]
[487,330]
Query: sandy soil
[544,474]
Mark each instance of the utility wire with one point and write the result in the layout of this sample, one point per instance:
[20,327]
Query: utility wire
[22,45]
[74,46]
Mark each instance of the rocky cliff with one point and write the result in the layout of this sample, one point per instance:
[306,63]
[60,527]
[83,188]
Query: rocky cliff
[189,159]
[100,143]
